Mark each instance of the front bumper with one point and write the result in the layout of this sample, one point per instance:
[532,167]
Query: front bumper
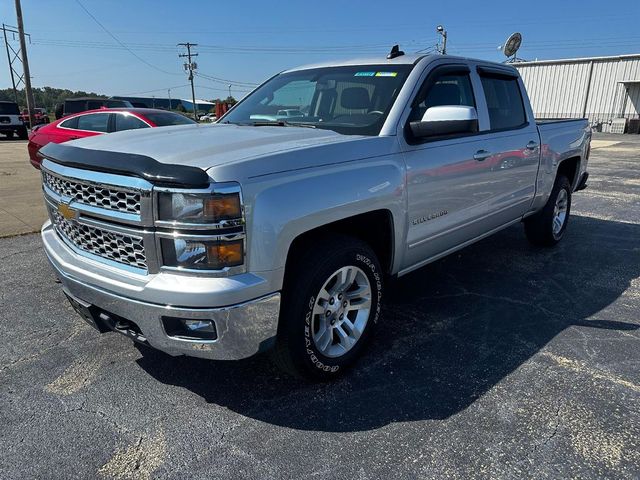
[243,328]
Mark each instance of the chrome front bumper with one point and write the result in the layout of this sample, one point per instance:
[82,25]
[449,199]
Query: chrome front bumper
[243,328]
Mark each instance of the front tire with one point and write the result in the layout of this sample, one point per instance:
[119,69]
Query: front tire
[546,228]
[22,133]
[330,305]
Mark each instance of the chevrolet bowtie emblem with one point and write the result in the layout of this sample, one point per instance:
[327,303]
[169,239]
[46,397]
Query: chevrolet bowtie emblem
[67,212]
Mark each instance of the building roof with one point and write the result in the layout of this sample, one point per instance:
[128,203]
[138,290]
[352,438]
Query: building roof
[578,60]
[198,101]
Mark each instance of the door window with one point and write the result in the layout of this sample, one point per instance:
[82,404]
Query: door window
[95,122]
[125,121]
[504,102]
[448,89]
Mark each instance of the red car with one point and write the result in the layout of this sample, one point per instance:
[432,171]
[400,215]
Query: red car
[39,114]
[97,122]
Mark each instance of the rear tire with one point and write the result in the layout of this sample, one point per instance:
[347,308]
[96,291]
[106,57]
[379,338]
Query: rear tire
[546,228]
[330,304]
[22,133]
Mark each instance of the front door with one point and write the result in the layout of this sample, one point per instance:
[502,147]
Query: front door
[448,179]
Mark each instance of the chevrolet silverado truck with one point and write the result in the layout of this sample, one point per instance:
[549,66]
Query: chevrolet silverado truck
[225,240]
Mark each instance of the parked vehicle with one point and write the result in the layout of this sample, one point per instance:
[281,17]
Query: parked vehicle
[209,117]
[83,104]
[10,122]
[250,235]
[98,122]
[40,115]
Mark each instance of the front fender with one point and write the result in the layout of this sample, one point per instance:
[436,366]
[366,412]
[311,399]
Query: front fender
[284,207]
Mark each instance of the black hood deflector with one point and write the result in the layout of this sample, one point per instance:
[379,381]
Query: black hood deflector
[141,166]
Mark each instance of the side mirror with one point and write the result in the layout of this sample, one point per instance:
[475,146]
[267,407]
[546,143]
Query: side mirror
[446,120]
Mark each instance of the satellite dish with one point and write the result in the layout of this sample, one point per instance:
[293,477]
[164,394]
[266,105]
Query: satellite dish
[512,44]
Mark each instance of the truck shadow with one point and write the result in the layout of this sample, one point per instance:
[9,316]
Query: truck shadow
[450,332]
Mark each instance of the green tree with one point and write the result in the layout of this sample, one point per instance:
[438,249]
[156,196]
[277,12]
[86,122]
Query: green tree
[45,97]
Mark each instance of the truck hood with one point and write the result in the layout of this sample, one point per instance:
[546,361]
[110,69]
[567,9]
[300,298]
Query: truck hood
[208,146]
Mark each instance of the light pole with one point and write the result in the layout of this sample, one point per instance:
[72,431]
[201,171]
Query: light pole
[229,90]
[169,92]
[440,29]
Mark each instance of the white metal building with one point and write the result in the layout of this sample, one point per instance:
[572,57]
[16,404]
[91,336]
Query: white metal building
[599,88]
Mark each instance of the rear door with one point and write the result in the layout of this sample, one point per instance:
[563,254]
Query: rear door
[513,145]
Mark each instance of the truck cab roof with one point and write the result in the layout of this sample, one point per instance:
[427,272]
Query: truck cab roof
[406,59]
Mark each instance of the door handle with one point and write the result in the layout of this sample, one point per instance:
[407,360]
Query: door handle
[482,155]
[532,145]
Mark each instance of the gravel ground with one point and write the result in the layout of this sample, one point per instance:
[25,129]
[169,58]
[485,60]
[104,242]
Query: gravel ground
[501,361]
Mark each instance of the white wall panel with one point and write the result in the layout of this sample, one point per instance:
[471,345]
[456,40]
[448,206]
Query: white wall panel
[558,88]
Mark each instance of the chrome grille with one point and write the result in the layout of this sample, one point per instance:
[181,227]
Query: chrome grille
[125,249]
[101,196]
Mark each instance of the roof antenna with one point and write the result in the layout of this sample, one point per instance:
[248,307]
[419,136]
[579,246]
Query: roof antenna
[395,52]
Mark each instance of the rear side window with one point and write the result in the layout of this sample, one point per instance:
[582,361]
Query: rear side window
[126,121]
[9,108]
[504,102]
[95,122]
[70,123]
[166,119]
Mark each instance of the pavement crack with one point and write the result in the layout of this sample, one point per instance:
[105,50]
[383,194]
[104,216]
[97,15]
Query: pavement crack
[19,252]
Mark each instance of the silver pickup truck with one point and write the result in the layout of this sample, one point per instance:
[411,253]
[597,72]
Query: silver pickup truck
[270,232]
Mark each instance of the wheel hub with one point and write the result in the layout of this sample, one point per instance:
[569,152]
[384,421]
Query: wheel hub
[341,311]
[560,212]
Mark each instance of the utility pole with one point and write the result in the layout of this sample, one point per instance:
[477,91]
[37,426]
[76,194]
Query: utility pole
[440,29]
[169,92]
[191,66]
[229,90]
[15,54]
[25,65]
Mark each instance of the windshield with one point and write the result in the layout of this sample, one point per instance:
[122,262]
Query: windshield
[348,100]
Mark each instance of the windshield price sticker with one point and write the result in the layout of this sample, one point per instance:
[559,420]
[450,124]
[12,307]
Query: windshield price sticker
[375,74]
[386,74]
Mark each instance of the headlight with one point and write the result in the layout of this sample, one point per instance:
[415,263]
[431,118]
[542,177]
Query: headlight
[202,254]
[199,208]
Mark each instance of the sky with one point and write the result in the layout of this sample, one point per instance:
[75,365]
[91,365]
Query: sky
[128,47]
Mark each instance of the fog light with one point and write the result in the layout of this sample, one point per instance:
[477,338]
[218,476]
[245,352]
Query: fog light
[190,329]
[199,325]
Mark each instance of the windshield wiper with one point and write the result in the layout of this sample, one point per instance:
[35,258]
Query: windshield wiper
[271,123]
[279,123]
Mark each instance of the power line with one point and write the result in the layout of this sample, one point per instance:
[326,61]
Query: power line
[122,44]
[154,90]
[225,80]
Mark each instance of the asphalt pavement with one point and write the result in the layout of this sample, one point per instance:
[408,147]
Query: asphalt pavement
[500,361]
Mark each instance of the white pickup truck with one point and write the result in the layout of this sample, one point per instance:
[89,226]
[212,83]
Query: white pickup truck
[263,232]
